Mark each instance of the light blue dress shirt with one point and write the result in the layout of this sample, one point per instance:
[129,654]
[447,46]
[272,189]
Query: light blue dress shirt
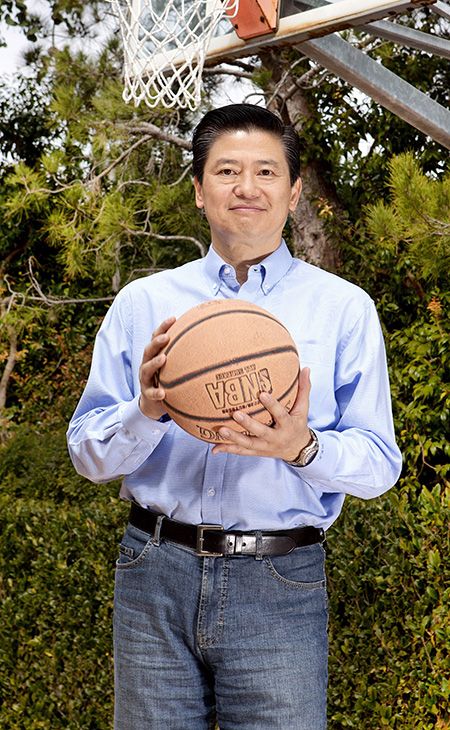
[337,332]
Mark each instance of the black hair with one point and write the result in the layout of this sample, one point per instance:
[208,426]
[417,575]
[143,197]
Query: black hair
[243,117]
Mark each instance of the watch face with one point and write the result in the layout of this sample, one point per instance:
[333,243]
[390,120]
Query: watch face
[309,454]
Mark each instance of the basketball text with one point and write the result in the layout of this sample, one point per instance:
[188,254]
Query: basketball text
[209,435]
[226,394]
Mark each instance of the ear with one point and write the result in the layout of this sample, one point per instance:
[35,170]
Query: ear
[198,193]
[296,191]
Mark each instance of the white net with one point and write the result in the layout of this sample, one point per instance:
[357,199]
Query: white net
[165,44]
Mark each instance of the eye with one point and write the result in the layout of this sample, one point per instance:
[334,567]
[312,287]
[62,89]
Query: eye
[266,172]
[227,172]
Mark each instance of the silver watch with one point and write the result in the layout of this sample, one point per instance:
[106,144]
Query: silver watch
[308,453]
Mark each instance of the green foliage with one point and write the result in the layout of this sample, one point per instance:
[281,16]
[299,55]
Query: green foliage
[389,572]
[418,218]
[90,202]
[389,588]
[24,119]
[421,394]
[76,16]
[58,539]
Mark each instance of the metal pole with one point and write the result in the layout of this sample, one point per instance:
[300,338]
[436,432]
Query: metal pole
[382,85]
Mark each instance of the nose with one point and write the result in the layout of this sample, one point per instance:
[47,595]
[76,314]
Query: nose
[246,186]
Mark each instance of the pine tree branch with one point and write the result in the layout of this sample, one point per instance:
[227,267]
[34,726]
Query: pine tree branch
[126,153]
[52,301]
[182,176]
[283,79]
[160,237]
[9,366]
[244,65]
[154,131]
[218,71]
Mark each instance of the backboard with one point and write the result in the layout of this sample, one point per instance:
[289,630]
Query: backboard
[232,29]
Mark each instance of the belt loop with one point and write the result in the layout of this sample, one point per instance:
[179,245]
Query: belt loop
[156,537]
[259,545]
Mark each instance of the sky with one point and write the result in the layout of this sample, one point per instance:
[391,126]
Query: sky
[11,63]
[10,59]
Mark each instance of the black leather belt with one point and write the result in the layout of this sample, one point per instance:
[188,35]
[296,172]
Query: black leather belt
[213,541]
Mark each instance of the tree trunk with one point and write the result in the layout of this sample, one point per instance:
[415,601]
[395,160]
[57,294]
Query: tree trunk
[311,239]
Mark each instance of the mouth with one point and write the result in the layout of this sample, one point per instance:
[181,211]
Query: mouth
[247,208]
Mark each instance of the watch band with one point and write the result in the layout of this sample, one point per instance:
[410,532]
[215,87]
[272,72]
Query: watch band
[308,453]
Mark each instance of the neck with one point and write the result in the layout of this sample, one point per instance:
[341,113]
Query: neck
[240,263]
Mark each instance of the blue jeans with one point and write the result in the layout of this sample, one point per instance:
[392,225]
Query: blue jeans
[236,640]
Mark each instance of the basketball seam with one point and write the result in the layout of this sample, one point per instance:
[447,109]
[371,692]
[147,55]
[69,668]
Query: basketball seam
[210,419]
[221,314]
[226,364]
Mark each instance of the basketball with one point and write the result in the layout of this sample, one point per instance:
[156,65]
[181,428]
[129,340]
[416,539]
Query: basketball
[220,357]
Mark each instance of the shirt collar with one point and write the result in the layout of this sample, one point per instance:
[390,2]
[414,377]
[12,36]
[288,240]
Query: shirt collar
[273,268]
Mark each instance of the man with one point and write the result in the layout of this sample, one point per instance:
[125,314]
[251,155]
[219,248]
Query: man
[238,635]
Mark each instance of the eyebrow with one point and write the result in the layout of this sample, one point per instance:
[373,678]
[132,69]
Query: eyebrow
[227,161]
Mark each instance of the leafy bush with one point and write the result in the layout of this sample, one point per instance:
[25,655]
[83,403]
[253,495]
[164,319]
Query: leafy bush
[58,544]
[388,567]
[389,590]
[389,571]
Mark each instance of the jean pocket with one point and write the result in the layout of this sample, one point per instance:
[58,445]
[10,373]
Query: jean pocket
[134,548]
[304,568]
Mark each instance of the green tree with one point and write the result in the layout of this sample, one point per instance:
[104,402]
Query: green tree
[389,577]
[94,193]
[95,198]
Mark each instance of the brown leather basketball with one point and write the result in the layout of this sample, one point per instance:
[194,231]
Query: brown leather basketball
[220,356]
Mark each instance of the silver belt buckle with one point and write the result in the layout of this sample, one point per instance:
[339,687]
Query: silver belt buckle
[200,540]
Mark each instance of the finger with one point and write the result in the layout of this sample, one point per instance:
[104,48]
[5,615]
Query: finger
[239,443]
[233,448]
[255,427]
[301,405]
[250,443]
[158,343]
[159,340]
[275,408]
[164,326]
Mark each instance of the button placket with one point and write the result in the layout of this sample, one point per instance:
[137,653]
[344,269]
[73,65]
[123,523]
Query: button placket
[211,501]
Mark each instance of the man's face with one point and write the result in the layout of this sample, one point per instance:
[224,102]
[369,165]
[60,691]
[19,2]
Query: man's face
[246,191]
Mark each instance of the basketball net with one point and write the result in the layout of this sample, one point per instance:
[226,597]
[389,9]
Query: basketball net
[165,44]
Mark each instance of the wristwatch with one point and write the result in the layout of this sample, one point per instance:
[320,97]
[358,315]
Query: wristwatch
[308,453]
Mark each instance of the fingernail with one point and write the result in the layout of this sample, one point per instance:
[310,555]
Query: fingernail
[224,432]
[238,416]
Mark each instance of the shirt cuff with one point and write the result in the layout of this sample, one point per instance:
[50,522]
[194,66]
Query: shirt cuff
[324,463]
[145,428]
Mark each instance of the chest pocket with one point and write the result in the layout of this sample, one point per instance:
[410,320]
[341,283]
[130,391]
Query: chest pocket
[320,359]
[314,354]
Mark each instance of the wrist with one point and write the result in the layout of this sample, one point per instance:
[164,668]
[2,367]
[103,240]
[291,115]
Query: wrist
[307,453]
[153,409]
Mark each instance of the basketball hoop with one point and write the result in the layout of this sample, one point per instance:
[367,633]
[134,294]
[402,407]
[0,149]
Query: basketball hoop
[165,45]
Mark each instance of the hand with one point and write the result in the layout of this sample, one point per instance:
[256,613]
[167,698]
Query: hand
[152,395]
[284,440]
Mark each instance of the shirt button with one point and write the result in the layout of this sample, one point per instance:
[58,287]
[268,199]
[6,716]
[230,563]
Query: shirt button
[211,492]
[226,270]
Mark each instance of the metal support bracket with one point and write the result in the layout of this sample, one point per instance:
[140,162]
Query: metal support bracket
[385,87]
[442,9]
